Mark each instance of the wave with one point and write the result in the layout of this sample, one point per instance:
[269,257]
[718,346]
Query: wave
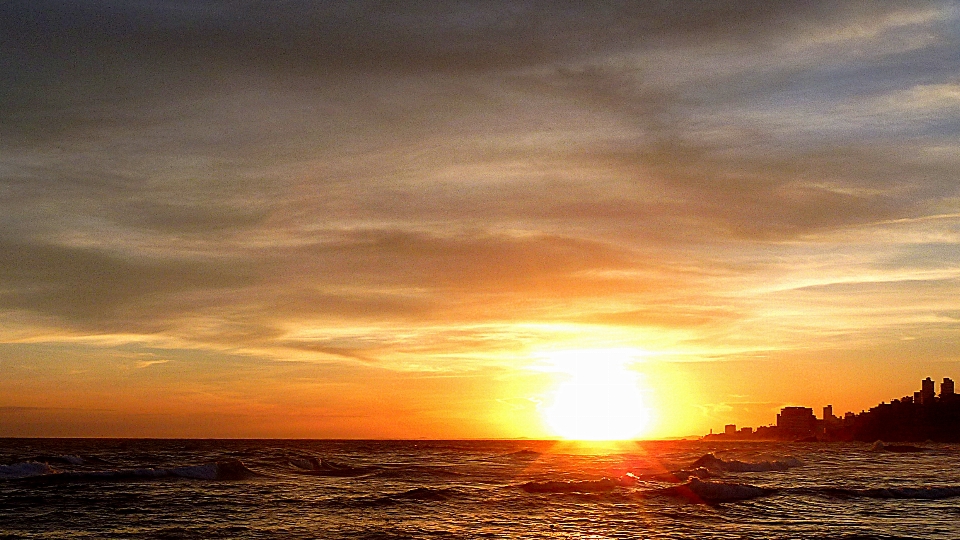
[323,467]
[713,463]
[675,477]
[68,459]
[606,484]
[524,453]
[313,466]
[579,486]
[407,472]
[923,493]
[415,495]
[880,446]
[26,469]
[426,494]
[716,492]
[220,470]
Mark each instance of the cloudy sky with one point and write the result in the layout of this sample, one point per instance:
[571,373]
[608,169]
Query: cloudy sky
[380,219]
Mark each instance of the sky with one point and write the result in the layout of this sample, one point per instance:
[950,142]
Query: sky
[246,218]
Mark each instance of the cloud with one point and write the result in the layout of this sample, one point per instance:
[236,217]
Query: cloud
[233,172]
[147,363]
[416,35]
[499,263]
[89,288]
[667,316]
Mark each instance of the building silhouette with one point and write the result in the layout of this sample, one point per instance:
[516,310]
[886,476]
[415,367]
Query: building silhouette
[926,391]
[918,417]
[797,422]
[946,390]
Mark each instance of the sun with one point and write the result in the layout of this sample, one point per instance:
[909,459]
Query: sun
[600,399]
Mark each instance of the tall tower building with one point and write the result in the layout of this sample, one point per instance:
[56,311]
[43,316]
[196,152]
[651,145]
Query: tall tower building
[828,413]
[926,391]
[796,422]
[946,389]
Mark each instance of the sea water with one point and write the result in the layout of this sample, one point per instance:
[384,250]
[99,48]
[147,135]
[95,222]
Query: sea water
[112,488]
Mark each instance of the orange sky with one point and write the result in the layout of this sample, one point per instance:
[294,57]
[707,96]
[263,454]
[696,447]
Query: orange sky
[316,220]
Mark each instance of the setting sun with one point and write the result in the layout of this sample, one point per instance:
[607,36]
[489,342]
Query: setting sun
[600,398]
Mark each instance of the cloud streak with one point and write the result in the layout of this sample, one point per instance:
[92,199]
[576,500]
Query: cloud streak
[415,187]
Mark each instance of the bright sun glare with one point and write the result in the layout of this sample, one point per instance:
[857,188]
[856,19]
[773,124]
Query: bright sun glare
[601,398]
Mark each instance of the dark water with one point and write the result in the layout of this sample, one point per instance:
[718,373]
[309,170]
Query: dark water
[473,489]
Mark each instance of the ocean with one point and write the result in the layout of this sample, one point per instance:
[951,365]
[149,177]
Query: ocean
[392,490]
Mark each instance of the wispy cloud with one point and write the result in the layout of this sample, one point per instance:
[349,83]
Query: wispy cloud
[412,187]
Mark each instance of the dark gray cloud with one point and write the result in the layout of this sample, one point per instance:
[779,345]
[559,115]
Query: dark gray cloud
[84,58]
[91,289]
[405,36]
[188,218]
[259,165]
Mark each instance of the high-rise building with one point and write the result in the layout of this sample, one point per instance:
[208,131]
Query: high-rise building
[796,422]
[946,389]
[730,429]
[828,413]
[926,391]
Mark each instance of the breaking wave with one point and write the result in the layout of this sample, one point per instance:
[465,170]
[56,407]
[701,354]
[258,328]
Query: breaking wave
[68,459]
[880,446]
[716,492]
[675,477]
[24,470]
[713,463]
[606,484]
[578,486]
[694,490]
